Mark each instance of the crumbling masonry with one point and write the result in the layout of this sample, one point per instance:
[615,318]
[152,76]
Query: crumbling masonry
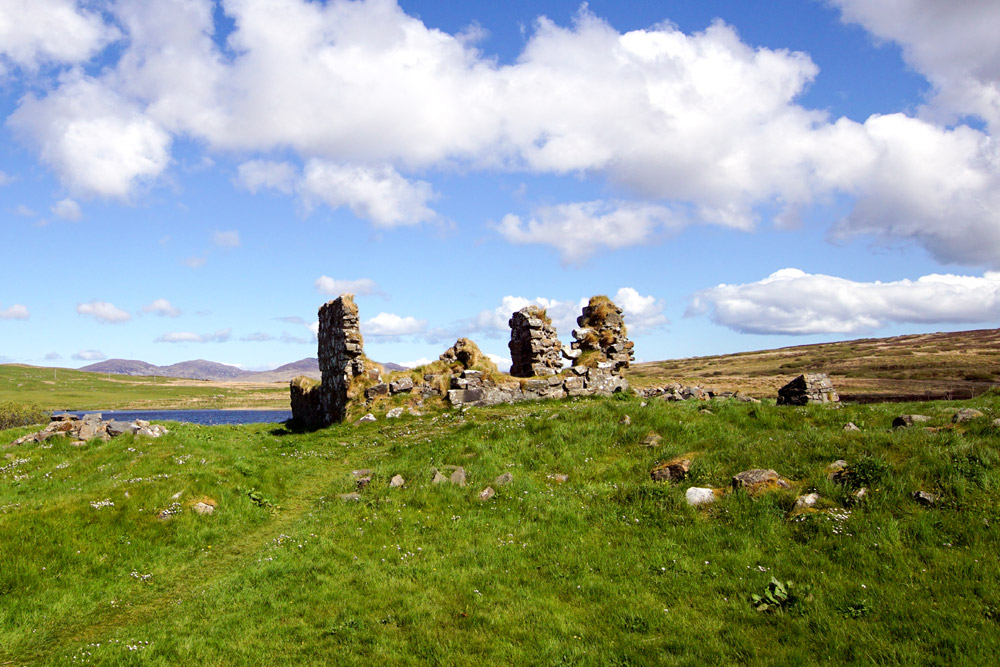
[600,353]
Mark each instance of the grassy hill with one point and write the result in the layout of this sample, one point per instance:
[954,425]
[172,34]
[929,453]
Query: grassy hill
[110,565]
[66,389]
[918,367]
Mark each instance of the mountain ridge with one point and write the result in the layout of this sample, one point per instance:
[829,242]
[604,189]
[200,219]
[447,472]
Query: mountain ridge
[202,369]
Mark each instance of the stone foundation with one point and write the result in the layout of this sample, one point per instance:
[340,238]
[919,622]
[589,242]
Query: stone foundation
[808,388]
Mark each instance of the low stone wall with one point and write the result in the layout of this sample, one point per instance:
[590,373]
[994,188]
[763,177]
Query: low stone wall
[808,388]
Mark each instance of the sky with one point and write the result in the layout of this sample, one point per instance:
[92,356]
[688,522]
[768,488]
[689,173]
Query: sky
[193,179]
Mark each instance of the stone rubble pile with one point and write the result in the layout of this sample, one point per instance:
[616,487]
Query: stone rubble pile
[81,429]
[534,346]
[808,388]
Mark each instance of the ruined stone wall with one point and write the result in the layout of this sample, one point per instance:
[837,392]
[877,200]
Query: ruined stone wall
[602,332]
[341,355]
[534,345]
[808,388]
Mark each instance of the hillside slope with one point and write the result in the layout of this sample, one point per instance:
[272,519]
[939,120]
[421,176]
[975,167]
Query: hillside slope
[916,367]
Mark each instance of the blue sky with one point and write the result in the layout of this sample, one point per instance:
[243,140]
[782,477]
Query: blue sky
[193,179]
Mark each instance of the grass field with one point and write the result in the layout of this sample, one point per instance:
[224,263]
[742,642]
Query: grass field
[606,568]
[66,389]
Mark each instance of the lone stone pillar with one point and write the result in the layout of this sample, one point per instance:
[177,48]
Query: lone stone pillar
[534,347]
[341,355]
[602,331]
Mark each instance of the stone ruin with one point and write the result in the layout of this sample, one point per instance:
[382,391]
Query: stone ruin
[534,346]
[808,388]
[466,377]
[602,335]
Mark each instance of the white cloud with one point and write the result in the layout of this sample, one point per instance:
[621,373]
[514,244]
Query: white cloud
[102,311]
[227,239]
[15,312]
[791,301]
[364,95]
[562,313]
[422,361]
[35,32]
[95,139]
[503,363]
[220,336]
[67,209]
[379,195]
[195,262]
[953,43]
[90,355]
[641,313]
[390,324]
[255,175]
[161,307]
[334,287]
[52,356]
[580,229]
[4,178]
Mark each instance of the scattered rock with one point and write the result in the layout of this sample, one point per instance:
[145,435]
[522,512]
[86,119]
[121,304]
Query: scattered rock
[559,478]
[671,471]
[699,496]
[759,480]
[850,427]
[362,483]
[401,386]
[203,508]
[91,426]
[350,497]
[487,493]
[808,500]
[626,420]
[397,481]
[652,439]
[394,413]
[903,421]
[458,476]
[808,388]
[924,498]
[706,411]
[966,414]
[859,495]
[367,419]
[837,471]
[438,478]
[995,423]
[504,479]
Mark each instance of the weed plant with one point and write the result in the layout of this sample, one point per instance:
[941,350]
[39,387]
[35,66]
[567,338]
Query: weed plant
[103,559]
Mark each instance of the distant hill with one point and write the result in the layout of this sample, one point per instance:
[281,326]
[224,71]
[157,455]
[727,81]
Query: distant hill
[210,370]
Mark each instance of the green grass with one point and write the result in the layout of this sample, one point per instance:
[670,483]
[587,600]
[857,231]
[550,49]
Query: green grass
[608,568]
[66,389]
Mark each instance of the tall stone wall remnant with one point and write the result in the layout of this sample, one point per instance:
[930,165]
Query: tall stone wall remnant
[341,355]
[602,333]
[534,346]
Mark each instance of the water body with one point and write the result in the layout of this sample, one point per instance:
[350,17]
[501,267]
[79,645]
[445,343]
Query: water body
[204,417]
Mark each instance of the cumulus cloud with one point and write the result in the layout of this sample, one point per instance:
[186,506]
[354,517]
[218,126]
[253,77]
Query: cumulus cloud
[953,44]
[228,239]
[562,313]
[641,313]
[36,32]
[285,337]
[15,312]
[220,336]
[90,355]
[67,209]
[363,95]
[102,311]
[390,324]
[580,229]
[791,301]
[161,307]
[53,356]
[95,138]
[256,175]
[377,194]
[334,287]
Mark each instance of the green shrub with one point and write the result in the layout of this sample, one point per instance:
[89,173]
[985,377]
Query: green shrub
[15,414]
